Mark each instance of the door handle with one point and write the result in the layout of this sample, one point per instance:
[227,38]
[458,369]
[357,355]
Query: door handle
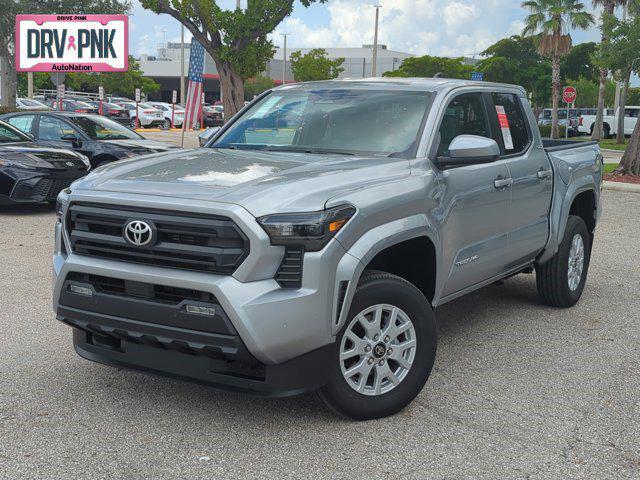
[503,182]
[542,174]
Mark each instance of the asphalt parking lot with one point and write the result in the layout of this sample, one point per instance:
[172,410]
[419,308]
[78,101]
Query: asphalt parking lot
[519,390]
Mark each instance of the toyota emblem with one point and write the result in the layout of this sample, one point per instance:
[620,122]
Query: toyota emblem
[138,233]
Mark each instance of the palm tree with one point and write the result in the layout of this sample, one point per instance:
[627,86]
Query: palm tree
[608,8]
[553,19]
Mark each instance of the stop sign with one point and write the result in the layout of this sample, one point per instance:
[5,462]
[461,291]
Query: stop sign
[569,94]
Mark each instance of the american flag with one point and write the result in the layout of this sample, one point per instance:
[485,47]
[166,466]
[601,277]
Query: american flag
[194,91]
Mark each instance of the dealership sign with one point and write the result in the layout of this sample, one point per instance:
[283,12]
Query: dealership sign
[72,43]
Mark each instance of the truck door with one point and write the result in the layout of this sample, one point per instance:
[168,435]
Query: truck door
[475,199]
[530,169]
[630,120]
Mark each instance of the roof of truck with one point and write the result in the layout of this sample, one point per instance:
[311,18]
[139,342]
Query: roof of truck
[431,84]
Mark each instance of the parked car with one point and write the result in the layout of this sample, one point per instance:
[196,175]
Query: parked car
[610,121]
[281,260]
[113,111]
[32,173]
[99,138]
[30,104]
[574,119]
[213,116]
[69,105]
[149,116]
[170,112]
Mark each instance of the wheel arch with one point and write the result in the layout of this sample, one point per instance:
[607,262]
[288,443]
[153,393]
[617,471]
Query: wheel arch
[401,248]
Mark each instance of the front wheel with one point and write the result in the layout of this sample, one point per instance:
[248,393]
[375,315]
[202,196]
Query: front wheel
[385,350]
[561,280]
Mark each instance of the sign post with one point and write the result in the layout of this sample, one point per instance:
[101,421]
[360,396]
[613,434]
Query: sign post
[569,96]
[174,98]
[202,112]
[101,98]
[137,108]
[60,95]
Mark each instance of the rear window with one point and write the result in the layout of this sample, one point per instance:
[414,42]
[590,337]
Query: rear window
[512,126]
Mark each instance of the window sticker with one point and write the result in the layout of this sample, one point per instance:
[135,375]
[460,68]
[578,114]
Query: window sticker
[266,106]
[504,126]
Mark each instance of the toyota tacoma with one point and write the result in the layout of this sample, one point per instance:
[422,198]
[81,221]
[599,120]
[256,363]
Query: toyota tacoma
[306,246]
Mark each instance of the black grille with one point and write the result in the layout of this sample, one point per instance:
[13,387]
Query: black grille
[187,241]
[45,189]
[130,289]
[289,274]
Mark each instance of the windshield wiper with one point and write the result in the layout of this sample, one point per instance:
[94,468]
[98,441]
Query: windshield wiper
[320,151]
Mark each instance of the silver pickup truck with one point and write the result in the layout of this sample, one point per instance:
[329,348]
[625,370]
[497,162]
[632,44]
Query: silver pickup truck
[306,246]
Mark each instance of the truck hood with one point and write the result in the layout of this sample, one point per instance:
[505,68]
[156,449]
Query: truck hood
[262,182]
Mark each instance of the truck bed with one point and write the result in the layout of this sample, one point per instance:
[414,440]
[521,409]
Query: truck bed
[558,145]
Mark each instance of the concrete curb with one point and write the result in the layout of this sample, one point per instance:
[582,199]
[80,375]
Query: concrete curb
[621,187]
[609,150]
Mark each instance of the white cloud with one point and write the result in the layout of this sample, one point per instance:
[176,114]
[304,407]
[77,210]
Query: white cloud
[449,27]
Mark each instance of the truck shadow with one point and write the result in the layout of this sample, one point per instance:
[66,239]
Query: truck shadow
[27,210]
[475,311]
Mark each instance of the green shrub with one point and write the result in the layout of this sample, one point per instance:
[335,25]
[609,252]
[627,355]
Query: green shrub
[545,131]
[7,110]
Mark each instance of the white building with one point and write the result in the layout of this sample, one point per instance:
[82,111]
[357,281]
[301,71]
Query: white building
[165,67]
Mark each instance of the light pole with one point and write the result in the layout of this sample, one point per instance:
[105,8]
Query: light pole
[374,66]
[182,92]
[284,59]
[238,6]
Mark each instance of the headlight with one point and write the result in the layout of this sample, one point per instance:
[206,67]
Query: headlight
[61,202]
[312,230]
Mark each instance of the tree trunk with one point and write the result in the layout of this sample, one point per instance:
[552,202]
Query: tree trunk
[8,80]
[623,103]
[231,89]
[602,92]
[555,95]
[630,163]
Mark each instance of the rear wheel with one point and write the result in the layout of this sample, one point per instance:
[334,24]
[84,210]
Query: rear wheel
[166,124]
[561,280]
[385,350]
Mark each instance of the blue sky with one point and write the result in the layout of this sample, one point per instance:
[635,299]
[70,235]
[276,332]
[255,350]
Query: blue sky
[436,27]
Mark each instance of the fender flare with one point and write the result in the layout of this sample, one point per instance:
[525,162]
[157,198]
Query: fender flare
[354,262]
[559,215]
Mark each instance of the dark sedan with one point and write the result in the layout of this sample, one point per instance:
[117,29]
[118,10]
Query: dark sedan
[112,111]
[102,140]
[32,173]
[69,105]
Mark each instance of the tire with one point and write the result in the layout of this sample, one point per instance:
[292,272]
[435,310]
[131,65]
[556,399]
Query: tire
[606,131]
[166,124]
[359,399]
[556,286]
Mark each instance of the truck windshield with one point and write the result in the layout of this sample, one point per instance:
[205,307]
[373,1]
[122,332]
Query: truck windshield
[341,121]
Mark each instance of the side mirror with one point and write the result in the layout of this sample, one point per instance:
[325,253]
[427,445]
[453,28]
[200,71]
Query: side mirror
[470,150]
[70,137]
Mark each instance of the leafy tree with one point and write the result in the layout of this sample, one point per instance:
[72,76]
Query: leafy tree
[633,96]
[578,63]
[256,86]
[41,80]
[235,39]
[315,65]
[553,18]
[619,55]
[114,83]
[428,66]
[11,8]
[608,8]
[588,91]
[516,60]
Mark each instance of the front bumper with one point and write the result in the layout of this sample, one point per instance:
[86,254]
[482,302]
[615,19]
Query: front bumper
[277,328]
[21,186]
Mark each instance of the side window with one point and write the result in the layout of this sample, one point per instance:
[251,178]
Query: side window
[512,126]
[632,112]
[53,129]
[23,122]
[465,115]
